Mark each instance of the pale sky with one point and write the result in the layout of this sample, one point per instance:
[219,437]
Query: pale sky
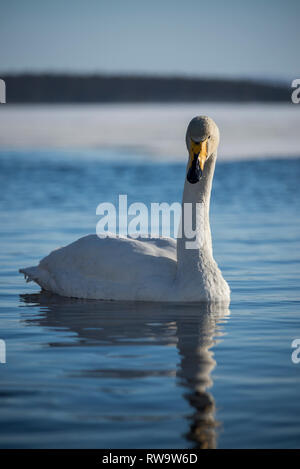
[254,38]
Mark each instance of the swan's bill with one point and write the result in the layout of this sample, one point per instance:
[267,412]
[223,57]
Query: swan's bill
[198,155]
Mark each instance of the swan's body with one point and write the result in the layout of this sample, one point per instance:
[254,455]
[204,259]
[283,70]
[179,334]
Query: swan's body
[146,269]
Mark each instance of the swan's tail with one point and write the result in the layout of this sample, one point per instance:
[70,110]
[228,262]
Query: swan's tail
[35,274]
[30,273]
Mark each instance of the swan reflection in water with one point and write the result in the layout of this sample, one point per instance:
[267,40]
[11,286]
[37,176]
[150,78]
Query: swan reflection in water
[193,329]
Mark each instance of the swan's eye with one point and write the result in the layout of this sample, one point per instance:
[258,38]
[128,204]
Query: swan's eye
[208,137]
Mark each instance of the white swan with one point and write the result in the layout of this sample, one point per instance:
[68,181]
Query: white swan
[147,269]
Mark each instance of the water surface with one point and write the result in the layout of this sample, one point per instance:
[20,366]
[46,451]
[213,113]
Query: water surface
[108,375]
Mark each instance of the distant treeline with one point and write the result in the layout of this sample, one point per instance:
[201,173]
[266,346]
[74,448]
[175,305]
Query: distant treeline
[63,88]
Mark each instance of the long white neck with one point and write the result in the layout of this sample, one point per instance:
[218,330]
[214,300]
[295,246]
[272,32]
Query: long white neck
[196,200]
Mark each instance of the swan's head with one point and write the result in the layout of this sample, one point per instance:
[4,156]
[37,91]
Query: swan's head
[202,140]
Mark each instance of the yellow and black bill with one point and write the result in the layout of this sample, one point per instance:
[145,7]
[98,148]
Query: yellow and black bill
[198,156]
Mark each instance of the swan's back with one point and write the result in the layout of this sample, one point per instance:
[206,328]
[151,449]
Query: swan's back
[108,268]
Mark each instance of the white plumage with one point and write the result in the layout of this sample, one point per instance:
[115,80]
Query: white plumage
[147,269]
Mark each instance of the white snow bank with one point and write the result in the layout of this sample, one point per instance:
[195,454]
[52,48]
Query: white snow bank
[247,130]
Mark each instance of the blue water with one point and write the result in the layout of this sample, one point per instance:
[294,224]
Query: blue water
[119,375]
